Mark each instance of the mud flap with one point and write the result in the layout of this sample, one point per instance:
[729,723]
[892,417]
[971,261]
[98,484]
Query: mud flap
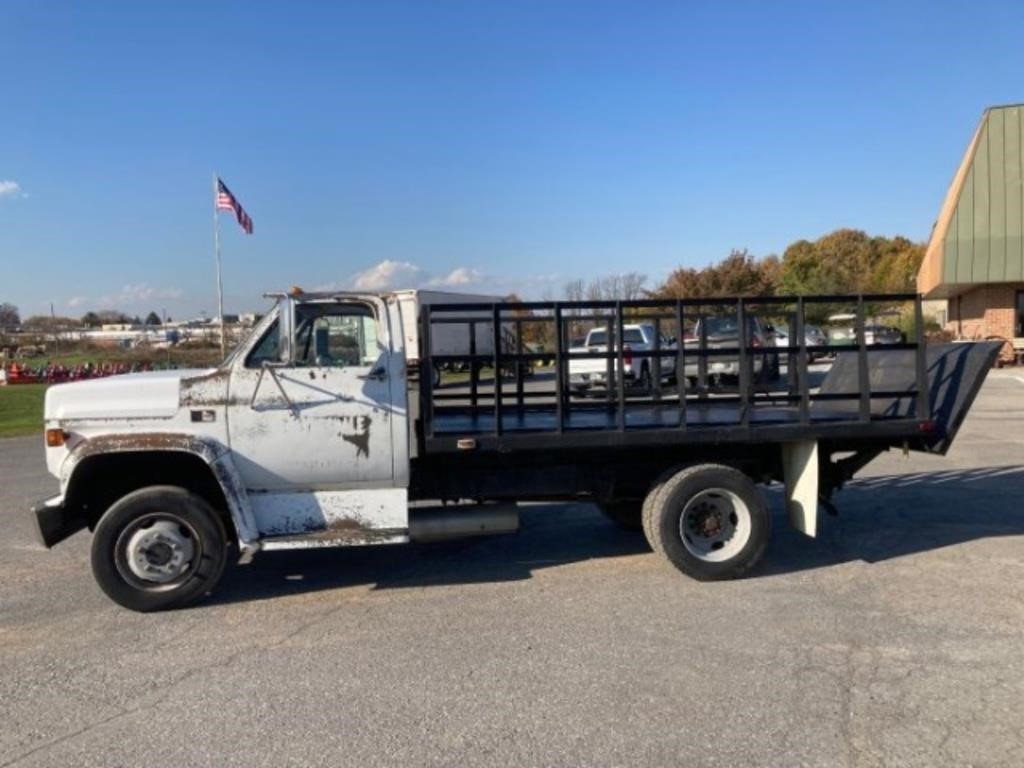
[800,470]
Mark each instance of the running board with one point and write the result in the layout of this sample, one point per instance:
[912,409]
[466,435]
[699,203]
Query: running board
[426,524]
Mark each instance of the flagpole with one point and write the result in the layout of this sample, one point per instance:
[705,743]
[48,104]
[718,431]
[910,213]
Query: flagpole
[220,279]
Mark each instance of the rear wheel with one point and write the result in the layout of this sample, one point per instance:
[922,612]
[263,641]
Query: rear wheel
[709,521]
[158,547]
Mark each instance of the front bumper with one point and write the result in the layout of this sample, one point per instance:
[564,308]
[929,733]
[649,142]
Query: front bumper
[54,522]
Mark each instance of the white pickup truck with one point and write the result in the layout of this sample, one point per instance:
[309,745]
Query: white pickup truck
[589,366]
[312,434]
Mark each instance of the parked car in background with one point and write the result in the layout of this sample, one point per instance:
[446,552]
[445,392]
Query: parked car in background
[815,338]
[586,373]
[723,333]
[845,332]
[882,334]
[781,333]
[812,335]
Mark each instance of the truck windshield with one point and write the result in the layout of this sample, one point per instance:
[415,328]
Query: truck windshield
[258,328]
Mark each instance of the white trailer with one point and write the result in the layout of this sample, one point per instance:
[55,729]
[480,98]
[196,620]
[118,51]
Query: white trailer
[445,339]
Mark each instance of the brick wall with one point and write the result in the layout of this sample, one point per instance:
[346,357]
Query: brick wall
[988,310]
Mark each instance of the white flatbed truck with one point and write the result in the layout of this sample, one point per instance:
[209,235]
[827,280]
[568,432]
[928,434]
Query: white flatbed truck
[312,434]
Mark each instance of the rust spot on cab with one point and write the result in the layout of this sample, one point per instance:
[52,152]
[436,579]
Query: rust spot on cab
[206,389]
[358,433]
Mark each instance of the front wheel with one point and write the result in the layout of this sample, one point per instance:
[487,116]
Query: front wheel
[709,521]
[158,547]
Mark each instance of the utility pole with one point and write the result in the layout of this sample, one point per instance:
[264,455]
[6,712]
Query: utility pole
[220,280]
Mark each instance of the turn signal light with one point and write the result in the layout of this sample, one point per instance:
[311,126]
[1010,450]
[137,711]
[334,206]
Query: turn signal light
[55,438]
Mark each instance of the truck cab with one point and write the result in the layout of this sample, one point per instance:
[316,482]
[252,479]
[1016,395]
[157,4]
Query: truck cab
[299,438]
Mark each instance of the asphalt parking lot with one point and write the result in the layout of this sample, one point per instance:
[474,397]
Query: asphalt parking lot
[896,638]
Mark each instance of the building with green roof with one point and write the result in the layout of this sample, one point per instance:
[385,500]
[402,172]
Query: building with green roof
[975,257]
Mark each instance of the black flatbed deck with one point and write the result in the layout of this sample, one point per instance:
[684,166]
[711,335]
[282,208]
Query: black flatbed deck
[908,393]
[638,417]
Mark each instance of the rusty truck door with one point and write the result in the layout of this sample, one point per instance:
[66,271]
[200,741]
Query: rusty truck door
[316,417]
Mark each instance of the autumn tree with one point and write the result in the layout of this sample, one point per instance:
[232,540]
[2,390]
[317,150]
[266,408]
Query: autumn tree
[738,274]
[897,265]
[535,332]
[850,261]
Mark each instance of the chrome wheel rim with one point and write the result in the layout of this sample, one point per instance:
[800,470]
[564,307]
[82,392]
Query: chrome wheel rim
[715,525]
[157,551]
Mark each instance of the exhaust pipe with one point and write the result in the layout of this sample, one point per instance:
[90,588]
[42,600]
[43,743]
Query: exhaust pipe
[457,521]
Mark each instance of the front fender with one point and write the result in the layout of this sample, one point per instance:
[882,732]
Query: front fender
[213,453]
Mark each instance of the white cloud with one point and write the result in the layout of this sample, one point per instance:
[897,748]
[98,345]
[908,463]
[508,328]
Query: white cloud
[389,275]
[392,275]
[457,277]
[77,301]
[143,292]
[10,189]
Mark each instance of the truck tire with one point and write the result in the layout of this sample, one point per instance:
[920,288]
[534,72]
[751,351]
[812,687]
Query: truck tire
[436,376]
[652,496]
[709,521]
[628,514]
[158,547]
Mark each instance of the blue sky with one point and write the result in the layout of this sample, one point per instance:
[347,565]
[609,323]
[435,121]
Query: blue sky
[485,146]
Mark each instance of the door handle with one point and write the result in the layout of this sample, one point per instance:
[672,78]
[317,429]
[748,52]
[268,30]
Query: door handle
[377,374]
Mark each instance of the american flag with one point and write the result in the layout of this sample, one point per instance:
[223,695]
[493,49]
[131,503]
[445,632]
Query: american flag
[227,202]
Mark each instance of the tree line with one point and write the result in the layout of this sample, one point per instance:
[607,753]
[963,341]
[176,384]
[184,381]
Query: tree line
[10,319]
[846,261]
[842,262]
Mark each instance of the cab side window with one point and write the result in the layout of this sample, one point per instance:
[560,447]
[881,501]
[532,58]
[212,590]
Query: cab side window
[335,335]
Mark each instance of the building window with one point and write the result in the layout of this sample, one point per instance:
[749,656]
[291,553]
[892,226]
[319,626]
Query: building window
[1018,324]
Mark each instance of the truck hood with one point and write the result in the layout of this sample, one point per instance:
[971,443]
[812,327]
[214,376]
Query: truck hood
[150,395]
